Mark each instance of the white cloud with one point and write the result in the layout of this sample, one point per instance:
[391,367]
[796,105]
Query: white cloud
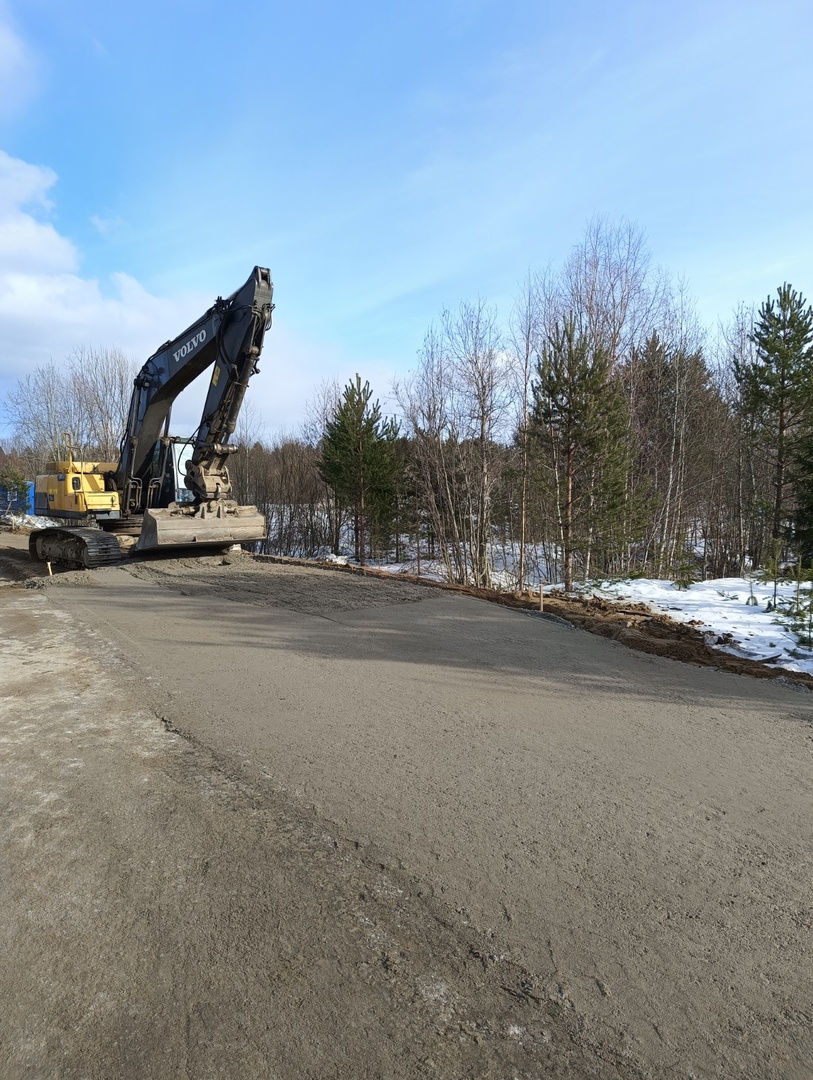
[23,185]
[48,310]
[27,244]
[106,226]
[18,68]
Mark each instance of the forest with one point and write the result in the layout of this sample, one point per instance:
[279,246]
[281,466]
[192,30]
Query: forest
[595,430]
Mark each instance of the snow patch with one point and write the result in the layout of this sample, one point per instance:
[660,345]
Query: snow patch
[721,611]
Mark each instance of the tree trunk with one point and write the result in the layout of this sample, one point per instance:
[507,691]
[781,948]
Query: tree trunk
[567,522]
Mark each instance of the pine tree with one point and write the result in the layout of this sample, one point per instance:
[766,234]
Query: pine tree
[13,485]
[580,424]
[801,478]
[674,405]
[777,390]
[359,463]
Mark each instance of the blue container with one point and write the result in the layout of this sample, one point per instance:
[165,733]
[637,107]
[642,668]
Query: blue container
[20,504]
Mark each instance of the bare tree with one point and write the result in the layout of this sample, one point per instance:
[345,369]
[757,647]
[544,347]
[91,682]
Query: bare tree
[247,466]
[425,400]
[456,407]
[102,380]
[87,398]
[249,428]
[525,325]
[41,409]
[481,374]
[281,478]
[608,282]
[298,523]
[320,410]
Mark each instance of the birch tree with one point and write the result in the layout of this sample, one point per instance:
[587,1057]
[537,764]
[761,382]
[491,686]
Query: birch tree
[524,335]
[456,405]
[609,286]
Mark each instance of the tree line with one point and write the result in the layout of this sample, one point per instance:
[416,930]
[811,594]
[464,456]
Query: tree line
[599,430]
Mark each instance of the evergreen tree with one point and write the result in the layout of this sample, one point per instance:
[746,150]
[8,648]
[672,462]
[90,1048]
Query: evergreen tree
[13,486]
[676,414]
[801,479]
[777,391]
[359,463]
[580,424]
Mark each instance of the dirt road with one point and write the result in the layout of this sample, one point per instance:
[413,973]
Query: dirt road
[277,821]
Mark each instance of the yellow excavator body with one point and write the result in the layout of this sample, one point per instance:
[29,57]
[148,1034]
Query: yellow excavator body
[75,490]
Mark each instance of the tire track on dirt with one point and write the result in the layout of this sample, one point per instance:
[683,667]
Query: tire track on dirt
[166,913]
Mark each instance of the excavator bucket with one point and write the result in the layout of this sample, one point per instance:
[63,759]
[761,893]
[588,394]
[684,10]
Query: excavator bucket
[227,523]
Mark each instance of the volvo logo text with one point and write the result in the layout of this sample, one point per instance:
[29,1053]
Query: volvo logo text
[189,346]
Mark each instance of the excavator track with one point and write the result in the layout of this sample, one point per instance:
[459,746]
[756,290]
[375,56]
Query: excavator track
[79,549]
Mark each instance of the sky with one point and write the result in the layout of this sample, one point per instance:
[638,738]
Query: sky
[385,162]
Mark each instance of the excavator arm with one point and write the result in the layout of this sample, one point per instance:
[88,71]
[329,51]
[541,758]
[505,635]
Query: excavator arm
[240,348]
[228,338]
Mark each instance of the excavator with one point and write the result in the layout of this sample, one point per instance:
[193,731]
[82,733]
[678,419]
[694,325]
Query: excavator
[164,491]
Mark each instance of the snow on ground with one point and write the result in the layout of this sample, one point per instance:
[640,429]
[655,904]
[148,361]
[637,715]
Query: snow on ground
[720,611]
[27,521]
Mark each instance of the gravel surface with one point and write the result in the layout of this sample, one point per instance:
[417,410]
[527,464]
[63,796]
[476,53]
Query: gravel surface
[274,820]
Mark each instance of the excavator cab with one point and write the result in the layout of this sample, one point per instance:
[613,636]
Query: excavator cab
[166,485]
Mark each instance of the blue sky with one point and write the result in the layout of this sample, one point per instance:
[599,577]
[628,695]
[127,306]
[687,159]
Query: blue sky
[384,161]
